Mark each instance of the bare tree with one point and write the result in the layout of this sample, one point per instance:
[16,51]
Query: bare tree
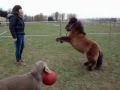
[40,17]
[28,18]
[9,10]
[70,15]
[62,16]
[56,16]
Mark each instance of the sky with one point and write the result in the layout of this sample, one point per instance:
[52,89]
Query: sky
[82,8]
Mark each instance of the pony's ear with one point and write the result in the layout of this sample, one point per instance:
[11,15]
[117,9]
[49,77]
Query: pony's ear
[73,20]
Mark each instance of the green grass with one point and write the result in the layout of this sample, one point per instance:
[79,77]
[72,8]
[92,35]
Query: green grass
[101,28]
[62,58]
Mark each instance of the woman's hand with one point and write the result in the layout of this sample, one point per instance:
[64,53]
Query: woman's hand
[14,39]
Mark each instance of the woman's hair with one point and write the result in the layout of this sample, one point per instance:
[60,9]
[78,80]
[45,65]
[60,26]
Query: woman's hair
[16,8]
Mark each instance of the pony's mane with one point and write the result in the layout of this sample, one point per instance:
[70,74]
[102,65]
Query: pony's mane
[79,27]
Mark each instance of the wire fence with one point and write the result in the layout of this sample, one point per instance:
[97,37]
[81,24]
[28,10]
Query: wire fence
[90,27]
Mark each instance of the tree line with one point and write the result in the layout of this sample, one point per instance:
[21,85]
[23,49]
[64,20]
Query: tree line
[53,17]
[56,16]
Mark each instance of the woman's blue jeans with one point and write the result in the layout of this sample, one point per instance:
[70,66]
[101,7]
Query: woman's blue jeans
[19,47]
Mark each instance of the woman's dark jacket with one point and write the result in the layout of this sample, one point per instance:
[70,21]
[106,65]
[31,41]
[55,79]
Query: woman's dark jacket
[16,25]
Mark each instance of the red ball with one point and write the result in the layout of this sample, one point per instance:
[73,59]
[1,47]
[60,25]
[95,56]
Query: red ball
[49,78]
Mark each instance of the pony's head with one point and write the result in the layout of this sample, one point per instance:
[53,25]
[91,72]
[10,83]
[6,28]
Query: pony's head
[75,25]
[70,23]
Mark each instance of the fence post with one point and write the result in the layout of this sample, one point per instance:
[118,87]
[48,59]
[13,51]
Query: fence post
[110,29]
[60,28]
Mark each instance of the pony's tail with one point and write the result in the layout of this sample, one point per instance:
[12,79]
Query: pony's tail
[99,61]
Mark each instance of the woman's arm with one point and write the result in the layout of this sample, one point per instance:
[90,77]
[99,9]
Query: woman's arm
[12,26]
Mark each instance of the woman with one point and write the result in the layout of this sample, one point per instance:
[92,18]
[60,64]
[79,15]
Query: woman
[16,27]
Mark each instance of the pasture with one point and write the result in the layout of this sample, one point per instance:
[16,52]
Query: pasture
[40,44]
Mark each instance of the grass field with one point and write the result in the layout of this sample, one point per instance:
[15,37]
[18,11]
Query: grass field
[62,58]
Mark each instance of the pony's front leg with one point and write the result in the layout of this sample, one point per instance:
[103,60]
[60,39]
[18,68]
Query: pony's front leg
[59,40]
[63,39]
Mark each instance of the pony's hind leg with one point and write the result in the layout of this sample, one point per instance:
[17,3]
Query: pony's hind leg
[86,63]
[99,61]
[91,64]
[92,55]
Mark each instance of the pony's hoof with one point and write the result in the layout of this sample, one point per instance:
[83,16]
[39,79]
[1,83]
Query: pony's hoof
[97,68]
[61,41]
[57,39]
[86,63]
[89,69]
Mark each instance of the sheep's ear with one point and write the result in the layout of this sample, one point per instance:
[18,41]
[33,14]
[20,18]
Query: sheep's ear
[34,73]
[34,70]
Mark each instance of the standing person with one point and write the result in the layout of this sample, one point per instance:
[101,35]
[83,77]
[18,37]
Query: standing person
[16,27]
